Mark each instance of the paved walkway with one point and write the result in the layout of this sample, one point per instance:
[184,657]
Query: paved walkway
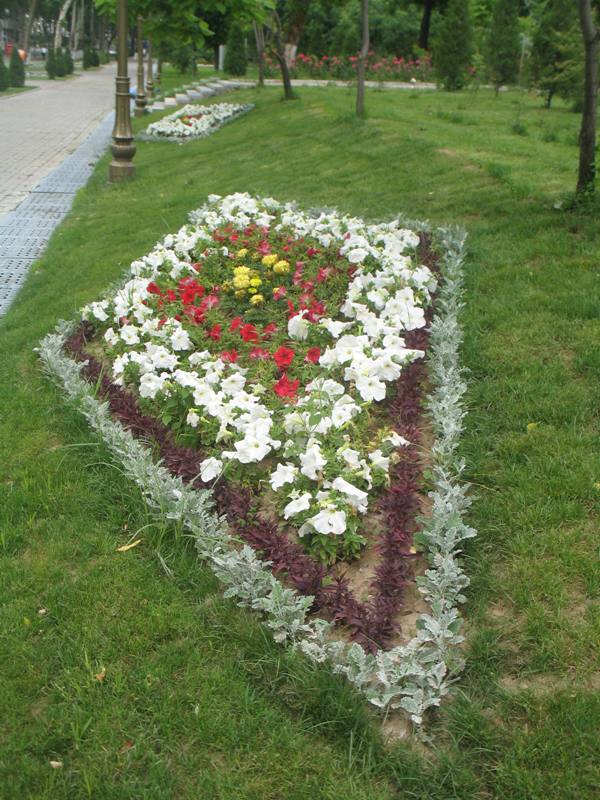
[50,139]
[40,127]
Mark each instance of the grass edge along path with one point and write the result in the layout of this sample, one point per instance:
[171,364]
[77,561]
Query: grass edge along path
[129,668]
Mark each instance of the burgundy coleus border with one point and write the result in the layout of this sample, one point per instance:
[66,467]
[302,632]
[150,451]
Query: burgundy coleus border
[372,623]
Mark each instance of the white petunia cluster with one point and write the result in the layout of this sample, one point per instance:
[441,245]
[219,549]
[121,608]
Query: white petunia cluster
[318,478]
[201,120]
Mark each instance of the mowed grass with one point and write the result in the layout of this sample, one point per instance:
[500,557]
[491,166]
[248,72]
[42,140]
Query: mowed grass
[193,699]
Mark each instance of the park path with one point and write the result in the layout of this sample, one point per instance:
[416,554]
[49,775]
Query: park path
[39,128]
[50,138]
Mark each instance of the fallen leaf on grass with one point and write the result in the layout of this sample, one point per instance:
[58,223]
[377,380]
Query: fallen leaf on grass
[531,426]
[56,764]
[101,675]
[126,746]
[124,548]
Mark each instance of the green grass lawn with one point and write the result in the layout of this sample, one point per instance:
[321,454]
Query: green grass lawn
[196,701]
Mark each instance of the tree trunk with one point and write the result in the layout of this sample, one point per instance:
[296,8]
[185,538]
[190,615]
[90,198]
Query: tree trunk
[29,25]
[361,65]
[64,10]
[259,36]
[425,24]
[280,56]
[587,135]
[216,57]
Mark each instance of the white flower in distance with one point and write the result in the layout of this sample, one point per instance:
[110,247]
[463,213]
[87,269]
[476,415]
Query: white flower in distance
[396,439]
[379,460]
[312,461]
[298,327]
[192,418]
[328,521]
[285,473]
[370,387]
[129,334]
[299,503]
[111,337]
[180,340]
[251,449]
[210,469]
[356,497]
[151,384]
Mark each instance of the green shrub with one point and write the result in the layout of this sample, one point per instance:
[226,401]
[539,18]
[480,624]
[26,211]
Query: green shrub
[103,57]
[16,69]
[69,64]
[236,60]
[51,63]
[4,78]
[60,64]
[94,58]
[452,45]
[87,58]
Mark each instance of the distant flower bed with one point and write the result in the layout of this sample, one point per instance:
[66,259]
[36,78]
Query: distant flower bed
[379,68]
[195,120]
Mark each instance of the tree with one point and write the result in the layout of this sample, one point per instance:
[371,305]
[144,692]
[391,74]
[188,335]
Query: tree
[452,46]
[16,69]
[556,64]
[361,64]
[259,36]
[279,52]
[503,43]
[236,60]
[4,78]
[587,136]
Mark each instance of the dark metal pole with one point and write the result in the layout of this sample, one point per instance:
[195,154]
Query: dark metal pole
[123,148]
[140,94]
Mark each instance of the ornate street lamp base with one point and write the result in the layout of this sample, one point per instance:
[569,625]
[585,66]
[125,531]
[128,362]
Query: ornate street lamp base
[120,171]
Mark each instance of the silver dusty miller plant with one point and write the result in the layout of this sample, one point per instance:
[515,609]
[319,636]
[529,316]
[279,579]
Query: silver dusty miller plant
[413,677]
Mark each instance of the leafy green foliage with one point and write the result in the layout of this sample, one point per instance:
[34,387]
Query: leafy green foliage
[51,63]
[16,69]
[236,61]
[452,45]
[4,76]
[557,54]
[503,46]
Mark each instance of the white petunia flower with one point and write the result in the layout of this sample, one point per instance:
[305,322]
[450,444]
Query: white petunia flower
[210,469]
[285,473]
[180,340]
[312,461]
[297,505]
[379,460]
[298,327]
[129,334]
[192,418]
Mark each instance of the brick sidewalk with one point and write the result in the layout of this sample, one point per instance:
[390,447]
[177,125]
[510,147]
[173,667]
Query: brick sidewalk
[41,127]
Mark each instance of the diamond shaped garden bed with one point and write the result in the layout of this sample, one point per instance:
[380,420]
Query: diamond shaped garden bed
[298,372]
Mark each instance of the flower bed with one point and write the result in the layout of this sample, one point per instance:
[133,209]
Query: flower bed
[266,352]
[193,121]
[378,68]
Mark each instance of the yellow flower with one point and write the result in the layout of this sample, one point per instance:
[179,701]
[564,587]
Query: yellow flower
[240,293]
[281,267]
[257,299]
[268,261]
[241,253]
[255,282]
[252,290]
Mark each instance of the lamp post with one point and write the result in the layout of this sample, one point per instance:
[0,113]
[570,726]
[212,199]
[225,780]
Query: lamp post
[140,94]
[123,148]
[149,81]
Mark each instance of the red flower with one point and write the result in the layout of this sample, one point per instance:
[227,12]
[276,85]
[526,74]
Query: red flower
[210,301]
[152,288]
[249,333]
[313,355]
[264,248]
[260,353]
[286,388]
[197,266]
[283,357]
[235,323]
[268,330]
[215,332]
[171,295]
[279,292]
[229,356]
